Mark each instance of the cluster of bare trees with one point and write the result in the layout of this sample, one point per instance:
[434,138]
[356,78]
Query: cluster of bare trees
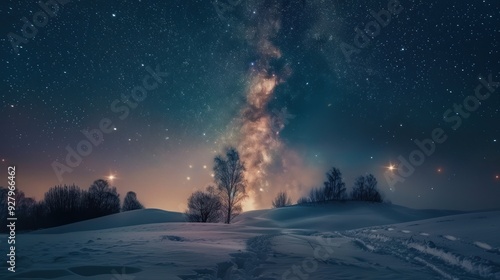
[364,189]
[222,202]
[282,200]
[66,204]
[24,207]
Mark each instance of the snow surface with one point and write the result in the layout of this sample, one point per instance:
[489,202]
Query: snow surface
[331,241]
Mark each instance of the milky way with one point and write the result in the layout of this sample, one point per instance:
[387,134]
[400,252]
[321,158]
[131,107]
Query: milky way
[258,129]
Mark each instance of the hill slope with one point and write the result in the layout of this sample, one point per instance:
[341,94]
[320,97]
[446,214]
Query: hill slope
[337,216]
[330,241]
[124,219]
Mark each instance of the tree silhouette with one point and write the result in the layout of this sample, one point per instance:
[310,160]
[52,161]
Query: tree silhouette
[204,207]
[24,210]
[130,202]
[358,191]
[102,199]
[372,194]
[64,204]
[317,195]
[303,200]
[229,178]
[334,187]
[40,215]
[365,189]
[3,204]
[282,200]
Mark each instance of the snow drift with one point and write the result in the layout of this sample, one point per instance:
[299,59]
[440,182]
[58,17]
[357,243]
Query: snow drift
[330,241]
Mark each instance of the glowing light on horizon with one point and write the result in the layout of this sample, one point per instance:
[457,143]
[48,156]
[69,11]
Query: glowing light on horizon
[248,204]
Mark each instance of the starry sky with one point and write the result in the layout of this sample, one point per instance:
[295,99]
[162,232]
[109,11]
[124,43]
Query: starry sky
[292,84]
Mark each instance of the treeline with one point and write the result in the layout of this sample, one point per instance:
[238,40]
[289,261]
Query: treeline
[334,189]
[65,204]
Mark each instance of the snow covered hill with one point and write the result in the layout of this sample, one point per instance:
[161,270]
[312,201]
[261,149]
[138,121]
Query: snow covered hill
[334,241]
[336,216]
[129,218]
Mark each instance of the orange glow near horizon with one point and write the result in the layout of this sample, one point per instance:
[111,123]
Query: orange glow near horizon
[248,204]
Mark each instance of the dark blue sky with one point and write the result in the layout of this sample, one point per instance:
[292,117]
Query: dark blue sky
[358,111]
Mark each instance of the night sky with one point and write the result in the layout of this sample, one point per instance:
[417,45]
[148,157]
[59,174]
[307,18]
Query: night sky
[290,83]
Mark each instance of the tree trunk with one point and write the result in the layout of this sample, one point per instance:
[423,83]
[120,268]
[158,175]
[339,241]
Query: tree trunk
[228,218]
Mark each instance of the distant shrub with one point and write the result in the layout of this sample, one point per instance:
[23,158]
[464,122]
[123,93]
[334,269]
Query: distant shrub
[303,200]
[282,200]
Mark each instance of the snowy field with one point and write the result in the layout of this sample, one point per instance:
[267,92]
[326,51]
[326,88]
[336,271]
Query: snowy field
[335,241]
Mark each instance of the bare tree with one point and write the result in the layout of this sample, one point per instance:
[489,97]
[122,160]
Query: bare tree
[130,202]
[365,189]
[282,200]
[24,212]
[40,215]
[204,207]
[318,195]
[23,209]
[334,187]
[358,191]
[315,195]
[102,199]
[230,181]
[372,194]
[64,204]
